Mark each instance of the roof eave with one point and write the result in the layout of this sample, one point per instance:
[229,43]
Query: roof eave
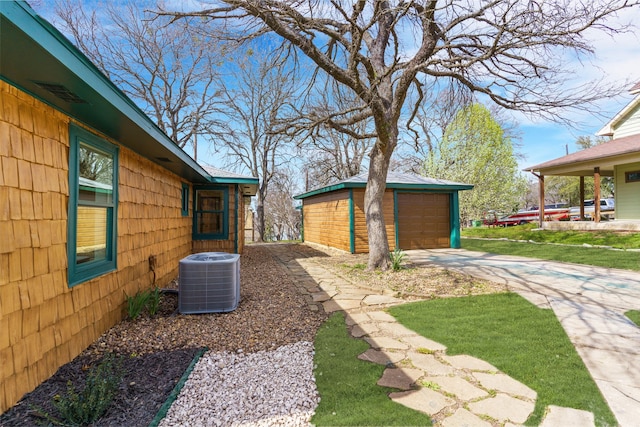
[107,109]
[249,185]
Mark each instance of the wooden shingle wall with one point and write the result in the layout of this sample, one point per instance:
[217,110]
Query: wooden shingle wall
[44,323]
[360,225]
[326,219]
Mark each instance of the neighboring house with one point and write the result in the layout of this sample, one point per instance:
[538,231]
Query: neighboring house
[96,202]
[619,158]
[419,213]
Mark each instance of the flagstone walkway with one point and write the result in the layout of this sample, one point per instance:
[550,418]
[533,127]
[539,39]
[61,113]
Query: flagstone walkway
[454,390]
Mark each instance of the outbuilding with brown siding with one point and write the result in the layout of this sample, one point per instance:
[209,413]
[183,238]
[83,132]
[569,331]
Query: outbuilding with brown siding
[96,202]
[419,213]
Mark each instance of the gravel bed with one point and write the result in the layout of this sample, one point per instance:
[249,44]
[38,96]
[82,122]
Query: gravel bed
[267,388]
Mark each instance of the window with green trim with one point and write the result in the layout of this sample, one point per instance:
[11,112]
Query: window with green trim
[93,201]
[185,199]
[210,213]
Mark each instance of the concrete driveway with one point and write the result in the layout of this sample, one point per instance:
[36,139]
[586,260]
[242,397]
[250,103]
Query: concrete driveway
[589,302]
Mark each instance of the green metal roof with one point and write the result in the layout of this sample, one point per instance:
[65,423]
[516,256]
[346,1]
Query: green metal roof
[37,58]
[395,180]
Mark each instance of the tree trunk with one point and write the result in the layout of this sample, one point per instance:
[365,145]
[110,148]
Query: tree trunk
[373,208]
[260,218]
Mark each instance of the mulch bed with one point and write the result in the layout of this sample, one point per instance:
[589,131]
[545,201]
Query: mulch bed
[156,351]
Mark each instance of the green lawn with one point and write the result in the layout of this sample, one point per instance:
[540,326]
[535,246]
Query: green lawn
[634,315]
[580,255]
[569,237]
[347,385]
[525,342]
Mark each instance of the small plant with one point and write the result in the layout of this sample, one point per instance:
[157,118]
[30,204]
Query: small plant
[88,405]
[137,303]
[397,256]
[153,303]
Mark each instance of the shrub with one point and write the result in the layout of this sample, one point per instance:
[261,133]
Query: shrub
[88,405]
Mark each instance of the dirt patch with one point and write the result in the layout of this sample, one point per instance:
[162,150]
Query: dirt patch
[411,282]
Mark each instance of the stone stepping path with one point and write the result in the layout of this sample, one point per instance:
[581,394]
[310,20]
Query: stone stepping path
[457,390]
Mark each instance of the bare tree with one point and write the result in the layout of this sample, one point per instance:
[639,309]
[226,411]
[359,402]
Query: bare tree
[424,133]
[254,102]
[282,219]
[509,51]
[334,155]
[169,70]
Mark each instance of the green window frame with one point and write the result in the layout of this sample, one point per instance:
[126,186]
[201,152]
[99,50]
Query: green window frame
[93,205]
[211,213]
[185,200]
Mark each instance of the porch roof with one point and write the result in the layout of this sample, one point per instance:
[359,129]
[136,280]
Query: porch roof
[582,163]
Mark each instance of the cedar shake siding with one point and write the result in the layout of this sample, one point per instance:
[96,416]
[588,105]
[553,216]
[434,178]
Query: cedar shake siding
[44,322]
[419,213]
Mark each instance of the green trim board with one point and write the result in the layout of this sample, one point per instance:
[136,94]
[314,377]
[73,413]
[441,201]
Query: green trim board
[237,226]
[84,268]
[454,213]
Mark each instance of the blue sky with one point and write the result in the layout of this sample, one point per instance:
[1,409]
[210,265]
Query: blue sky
[616,59]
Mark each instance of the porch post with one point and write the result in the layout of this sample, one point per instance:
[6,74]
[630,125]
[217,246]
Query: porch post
[596,193]
[541,201]
[582,198]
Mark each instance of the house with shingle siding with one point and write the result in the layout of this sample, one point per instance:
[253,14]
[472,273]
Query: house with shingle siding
[96,202]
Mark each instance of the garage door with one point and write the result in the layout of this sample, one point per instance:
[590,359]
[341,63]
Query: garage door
[423,221]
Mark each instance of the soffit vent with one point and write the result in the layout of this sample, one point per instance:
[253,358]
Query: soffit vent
[61,92]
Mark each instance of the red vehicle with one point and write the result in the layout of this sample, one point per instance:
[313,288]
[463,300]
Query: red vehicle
[555,212]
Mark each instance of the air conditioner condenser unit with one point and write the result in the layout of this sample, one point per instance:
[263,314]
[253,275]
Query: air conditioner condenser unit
[209,282]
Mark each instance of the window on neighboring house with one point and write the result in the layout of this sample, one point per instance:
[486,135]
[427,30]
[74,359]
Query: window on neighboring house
[93,200]
[185,199]
[633,176]
[210,216]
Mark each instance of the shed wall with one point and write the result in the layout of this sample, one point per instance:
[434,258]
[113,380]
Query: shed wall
[360,225]
[326,219]
[627,193]
[44,323]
